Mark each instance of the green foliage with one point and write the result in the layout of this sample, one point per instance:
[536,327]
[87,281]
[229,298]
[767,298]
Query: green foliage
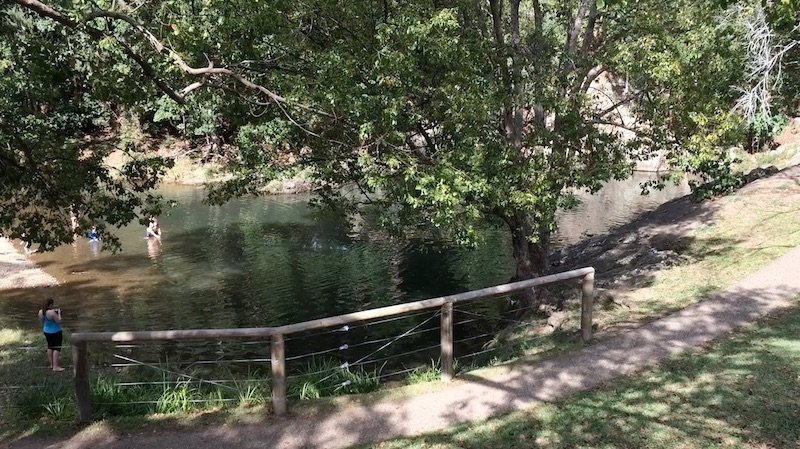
[716,178]
[250,395]
[51,401]
[703,156]
[51,94]
[177,398]
[443,116]
[763,131]
[111,399]
[783,13]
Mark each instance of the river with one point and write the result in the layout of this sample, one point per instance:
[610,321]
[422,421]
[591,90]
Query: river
[274,260]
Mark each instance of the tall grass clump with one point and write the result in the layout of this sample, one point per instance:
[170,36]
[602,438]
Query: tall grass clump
[180,397]
[250,394]
[109,398]
[328,378]
[52,401]
[427,373]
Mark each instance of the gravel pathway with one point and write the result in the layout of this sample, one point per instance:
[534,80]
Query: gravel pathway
[474,397]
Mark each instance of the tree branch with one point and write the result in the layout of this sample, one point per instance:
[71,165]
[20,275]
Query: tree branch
[592,75]
[44,10]
[209,70]
[575,25]
[588,33]
[600,121]
[496,11]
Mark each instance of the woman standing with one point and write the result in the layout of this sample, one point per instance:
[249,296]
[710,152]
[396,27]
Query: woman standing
[51,326]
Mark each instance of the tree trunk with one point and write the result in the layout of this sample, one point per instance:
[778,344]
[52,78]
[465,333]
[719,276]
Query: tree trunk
[531,256]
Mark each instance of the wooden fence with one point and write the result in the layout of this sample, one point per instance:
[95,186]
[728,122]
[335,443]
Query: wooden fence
[81,340]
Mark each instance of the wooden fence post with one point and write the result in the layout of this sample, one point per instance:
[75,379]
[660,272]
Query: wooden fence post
[80,357]
[447,341]
[278,364]
[587,304]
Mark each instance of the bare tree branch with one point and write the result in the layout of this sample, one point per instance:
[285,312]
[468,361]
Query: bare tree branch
[764,66]
[186,90]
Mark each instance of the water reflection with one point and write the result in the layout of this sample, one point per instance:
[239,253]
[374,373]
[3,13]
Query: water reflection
[272,261]
[94,247]
[154,249]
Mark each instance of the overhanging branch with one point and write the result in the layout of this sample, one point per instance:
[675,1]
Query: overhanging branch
[204,71]
[46,11]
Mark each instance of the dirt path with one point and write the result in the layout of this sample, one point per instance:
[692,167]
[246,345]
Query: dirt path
[475,397]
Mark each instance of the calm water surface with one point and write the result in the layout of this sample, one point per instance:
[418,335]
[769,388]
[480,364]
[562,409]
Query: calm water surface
[271,261]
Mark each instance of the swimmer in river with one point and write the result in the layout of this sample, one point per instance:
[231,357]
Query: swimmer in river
[153,230]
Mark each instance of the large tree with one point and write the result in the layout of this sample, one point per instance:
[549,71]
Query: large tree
[445,113]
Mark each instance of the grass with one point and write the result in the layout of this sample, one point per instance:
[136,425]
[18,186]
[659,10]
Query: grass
[779,158]
[742,393]
[431,373]
[327,378]
[32,398]
[745,234]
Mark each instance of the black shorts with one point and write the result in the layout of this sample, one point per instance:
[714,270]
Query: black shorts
[54,340]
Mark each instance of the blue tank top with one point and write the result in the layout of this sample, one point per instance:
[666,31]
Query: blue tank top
[49,326]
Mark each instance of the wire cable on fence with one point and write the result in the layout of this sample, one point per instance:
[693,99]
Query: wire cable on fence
[361,361]
[383,359]
[199,362]
[158,368]
[348,327]
[193,401]
[494,348]
[395,339]
[495,318]
[347,346]
[397,373]
[199,381]
[343,347]
[474,337]
[381,340]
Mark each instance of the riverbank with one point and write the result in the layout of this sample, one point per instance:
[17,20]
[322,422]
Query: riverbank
[17,271]
[189,170]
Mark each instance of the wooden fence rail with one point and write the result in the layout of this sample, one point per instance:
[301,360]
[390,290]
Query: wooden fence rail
[80,340]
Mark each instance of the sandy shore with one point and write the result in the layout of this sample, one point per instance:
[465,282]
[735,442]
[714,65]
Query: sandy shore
[17,271]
